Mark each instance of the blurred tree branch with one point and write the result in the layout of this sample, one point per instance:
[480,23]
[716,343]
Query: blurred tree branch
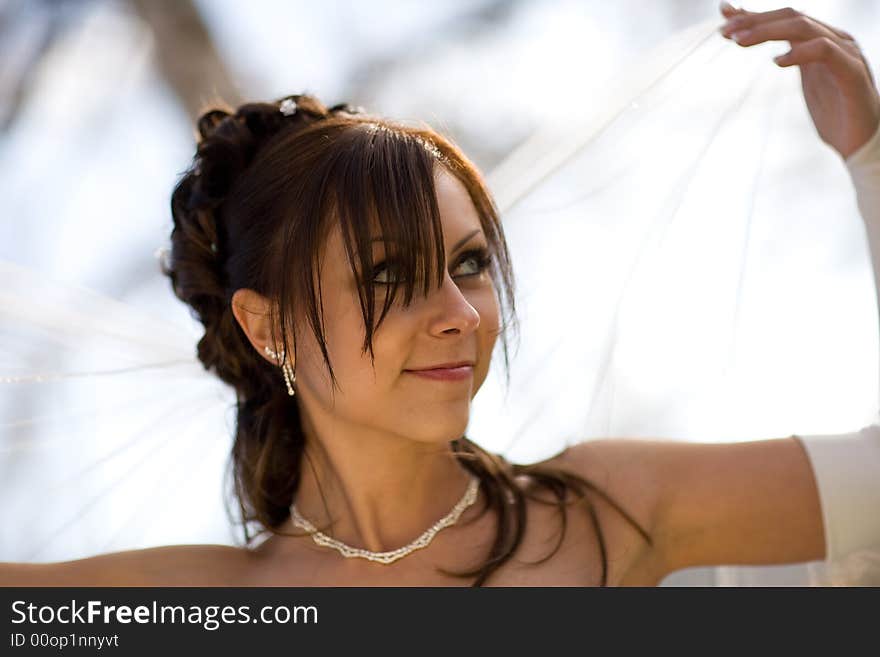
[186,55]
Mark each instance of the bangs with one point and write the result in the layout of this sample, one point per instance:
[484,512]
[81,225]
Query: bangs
[385,192]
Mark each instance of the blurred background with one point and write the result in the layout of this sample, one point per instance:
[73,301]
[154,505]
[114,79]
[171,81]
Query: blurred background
[97,99]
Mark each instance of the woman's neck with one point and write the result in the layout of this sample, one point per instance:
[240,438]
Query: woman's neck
[381,490]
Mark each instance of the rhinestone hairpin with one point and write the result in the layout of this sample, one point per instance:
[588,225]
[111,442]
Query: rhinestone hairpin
[288,106]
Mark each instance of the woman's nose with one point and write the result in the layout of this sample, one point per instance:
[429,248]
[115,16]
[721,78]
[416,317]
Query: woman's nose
[451,312]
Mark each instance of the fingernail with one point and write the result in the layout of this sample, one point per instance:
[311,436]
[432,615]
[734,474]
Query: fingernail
[740,36]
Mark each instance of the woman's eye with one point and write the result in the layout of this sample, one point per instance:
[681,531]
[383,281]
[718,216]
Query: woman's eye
[381,275]
[471,263]
[479,260]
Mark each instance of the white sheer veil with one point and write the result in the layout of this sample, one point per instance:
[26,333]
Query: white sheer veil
[679,276]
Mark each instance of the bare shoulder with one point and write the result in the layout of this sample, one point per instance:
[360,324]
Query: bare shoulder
[624,473]
[172,565]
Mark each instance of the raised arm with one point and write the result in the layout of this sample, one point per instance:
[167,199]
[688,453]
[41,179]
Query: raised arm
[842,98]
[775,501]
[787,500]
[847,467]
[807,497]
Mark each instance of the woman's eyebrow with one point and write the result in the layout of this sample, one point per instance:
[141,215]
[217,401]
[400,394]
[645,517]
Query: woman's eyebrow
[464,239]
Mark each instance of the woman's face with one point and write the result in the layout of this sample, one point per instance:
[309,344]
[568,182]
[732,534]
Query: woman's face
[457,322]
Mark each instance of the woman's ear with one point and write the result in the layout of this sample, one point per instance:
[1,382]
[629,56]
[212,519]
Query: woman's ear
[253,313]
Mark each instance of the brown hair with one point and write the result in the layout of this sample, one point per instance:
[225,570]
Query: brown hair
[253,210]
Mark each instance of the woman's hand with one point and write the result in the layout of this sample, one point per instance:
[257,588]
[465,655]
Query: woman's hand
[838,86]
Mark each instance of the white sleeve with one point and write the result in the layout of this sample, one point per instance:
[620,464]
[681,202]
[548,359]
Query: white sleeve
[864,169]
[847,466]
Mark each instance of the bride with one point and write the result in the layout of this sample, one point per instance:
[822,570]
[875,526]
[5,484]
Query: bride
[353,277]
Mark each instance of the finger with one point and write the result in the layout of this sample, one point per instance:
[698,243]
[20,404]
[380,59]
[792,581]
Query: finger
[799,28]
[822,49]
[842,34]
[748,20]
[728,10]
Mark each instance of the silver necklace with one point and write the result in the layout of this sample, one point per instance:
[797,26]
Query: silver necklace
[451,518]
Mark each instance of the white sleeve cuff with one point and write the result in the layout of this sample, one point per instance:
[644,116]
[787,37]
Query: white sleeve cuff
[847,471]
[864,169]
[867,155]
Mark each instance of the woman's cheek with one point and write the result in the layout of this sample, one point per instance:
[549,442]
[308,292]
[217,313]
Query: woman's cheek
[485,302]
[486,305]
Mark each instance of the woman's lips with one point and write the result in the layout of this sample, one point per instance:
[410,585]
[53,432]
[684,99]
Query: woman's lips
[445,373]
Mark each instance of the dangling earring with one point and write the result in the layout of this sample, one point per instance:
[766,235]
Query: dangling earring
[286,369]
